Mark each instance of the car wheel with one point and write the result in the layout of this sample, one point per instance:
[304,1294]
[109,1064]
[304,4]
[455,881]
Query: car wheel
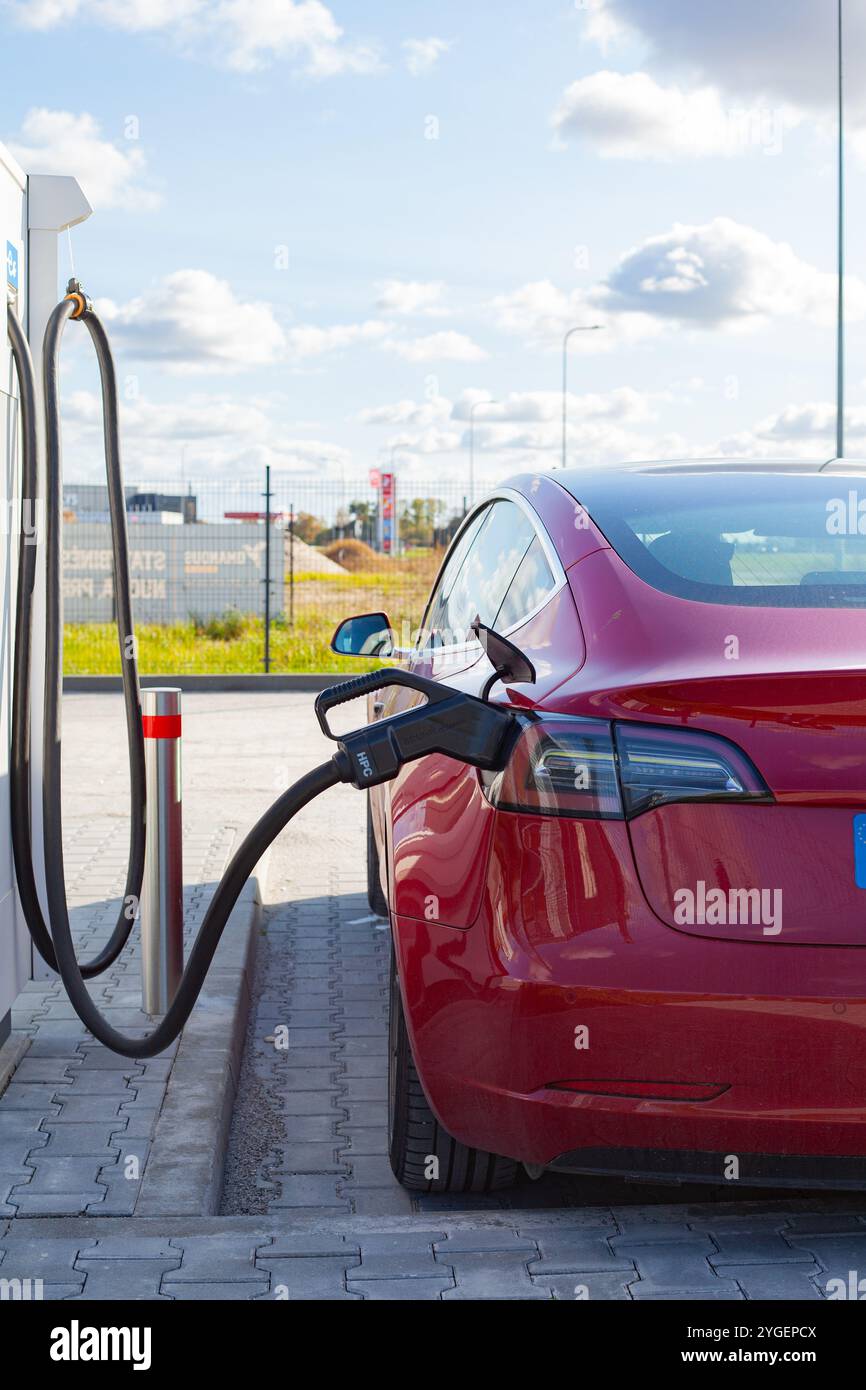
[415,1137]
[375,896]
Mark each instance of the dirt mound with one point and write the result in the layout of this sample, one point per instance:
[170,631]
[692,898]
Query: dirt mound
[354,555]
[308,559]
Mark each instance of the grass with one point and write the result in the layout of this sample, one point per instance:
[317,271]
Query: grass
[234,642]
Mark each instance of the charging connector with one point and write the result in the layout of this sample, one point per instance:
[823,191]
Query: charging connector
[449,721]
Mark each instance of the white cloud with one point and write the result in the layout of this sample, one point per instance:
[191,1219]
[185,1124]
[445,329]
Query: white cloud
[813,420]
[806,430]
[422,55]
[132,15]
[242,34]
[601,24]
[630,116]
[724,273]
[767,66]
[778,48]
[427,441]
[44,14]
[447,346]
[524,429]
[197,417]
[192,322]
[410,296]
[591,442]
[541,313]
[255,32]
[721,273]
[410,413]
[301,455]
[215,435]
[309,340]
[59,142]
[600,423]
[623,404]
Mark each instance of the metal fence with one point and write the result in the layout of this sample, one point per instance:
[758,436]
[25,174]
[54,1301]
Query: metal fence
[251,575]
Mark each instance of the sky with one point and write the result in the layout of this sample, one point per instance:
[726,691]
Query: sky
[322,233]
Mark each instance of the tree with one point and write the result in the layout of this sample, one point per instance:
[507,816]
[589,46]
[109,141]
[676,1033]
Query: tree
[307,527]
[418,520]
[365,515]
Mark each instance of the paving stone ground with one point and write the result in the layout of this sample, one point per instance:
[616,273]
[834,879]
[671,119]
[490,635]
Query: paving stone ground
[310,1209]
[75,1120]
[576,1255]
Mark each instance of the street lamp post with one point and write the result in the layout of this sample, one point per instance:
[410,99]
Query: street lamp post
[840,312]
[472,409]
[578,328]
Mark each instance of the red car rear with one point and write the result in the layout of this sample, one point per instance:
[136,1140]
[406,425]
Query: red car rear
[639,949]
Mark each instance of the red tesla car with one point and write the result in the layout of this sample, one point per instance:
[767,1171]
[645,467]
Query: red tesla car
[641,948]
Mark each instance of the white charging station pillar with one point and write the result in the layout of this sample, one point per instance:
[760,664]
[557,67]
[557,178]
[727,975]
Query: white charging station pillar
[33,213]
[14,946]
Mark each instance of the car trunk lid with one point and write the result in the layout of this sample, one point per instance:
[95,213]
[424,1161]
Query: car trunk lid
[780,686]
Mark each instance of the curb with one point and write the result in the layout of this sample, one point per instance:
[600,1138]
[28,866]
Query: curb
[300,681]
[11,1053]
[184,1172]
[279,1224]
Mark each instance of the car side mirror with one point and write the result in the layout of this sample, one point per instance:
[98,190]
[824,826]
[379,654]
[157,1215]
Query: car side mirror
[367,634]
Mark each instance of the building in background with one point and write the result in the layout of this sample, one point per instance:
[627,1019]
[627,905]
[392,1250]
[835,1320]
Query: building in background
[88,502]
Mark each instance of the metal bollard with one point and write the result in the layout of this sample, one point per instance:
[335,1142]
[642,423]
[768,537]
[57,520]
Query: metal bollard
[162,888]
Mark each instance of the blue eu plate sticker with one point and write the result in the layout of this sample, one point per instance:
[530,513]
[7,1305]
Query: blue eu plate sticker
[860,851]
[11,265]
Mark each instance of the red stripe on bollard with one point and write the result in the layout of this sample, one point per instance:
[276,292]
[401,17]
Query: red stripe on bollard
[161,725]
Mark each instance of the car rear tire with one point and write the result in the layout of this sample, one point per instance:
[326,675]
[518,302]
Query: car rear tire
[415,1136]
[375,896]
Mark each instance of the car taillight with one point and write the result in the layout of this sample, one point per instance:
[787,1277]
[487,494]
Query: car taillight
[564,765]
[658,766]
[559,766]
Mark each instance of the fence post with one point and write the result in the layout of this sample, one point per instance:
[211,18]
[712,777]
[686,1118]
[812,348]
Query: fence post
[267,662]
[291,564]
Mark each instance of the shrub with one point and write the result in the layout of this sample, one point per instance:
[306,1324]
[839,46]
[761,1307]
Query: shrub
[224,629]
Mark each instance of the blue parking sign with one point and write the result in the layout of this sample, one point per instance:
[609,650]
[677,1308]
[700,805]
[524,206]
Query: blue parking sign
[11,265]
[860,851]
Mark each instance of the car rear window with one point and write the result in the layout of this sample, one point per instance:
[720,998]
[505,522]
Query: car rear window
[776,540]
[478,572]
[528,589]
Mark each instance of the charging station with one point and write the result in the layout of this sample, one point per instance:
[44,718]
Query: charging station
[34,211]
[32,880]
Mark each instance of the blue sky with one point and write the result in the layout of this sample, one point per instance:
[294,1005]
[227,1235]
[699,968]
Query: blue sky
[335,228]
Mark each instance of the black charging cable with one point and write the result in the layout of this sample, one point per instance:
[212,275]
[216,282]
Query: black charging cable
[20,771]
